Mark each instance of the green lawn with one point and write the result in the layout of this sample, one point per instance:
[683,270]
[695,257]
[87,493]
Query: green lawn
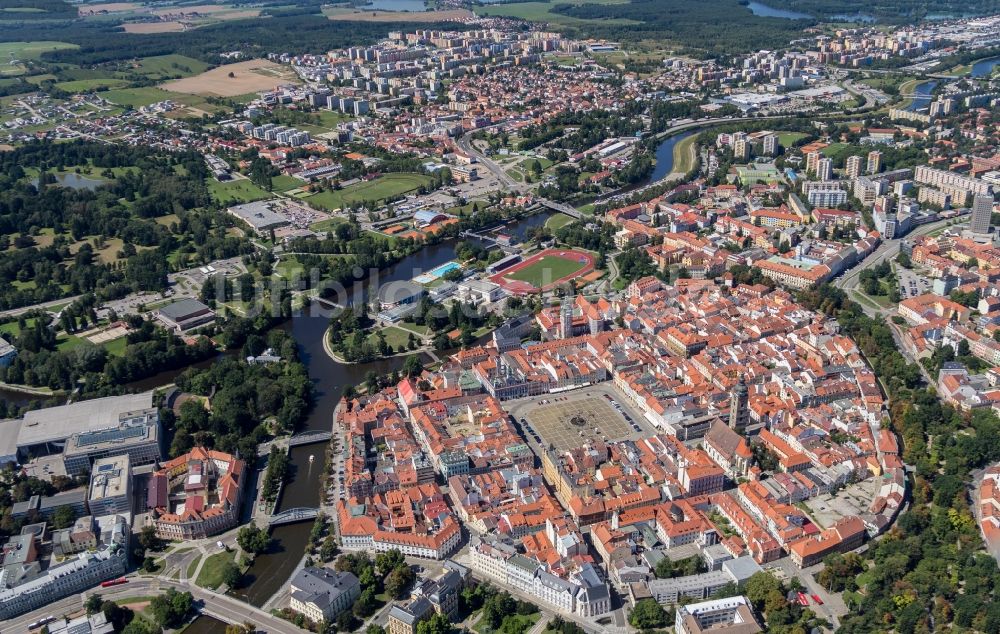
[68,342]
[786,139]
[395,337]
[12,329]
[373,191]
[211,573]
[684,160]
[192,567]
[834,149]
[137,97]
[326,225]
[235,191]
[557,221]
[546,270]
[417,327]
[116,347]
[283,183]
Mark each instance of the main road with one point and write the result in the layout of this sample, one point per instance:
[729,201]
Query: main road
[219,606]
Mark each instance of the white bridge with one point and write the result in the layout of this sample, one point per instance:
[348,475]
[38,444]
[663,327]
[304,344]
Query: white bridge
[298,514]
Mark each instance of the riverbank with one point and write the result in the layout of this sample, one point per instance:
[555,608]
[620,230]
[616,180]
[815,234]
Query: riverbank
[685,156]
[328,349]
[27,389]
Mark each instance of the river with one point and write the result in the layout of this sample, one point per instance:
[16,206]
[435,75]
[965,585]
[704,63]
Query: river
[665,155]
[271,570]
[984,67]
[923,96]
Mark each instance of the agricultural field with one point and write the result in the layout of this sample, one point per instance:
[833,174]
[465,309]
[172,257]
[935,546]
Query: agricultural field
[14,54]
[233,79]
[379,189]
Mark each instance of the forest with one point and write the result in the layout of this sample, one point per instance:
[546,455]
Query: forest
[700,27]
[296,34]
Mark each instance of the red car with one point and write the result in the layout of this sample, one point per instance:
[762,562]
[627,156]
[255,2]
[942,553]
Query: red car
[803,599]
[817,599]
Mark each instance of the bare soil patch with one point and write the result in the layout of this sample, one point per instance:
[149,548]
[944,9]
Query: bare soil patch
[249,76]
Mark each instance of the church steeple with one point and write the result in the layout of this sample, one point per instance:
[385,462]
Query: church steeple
[739,413]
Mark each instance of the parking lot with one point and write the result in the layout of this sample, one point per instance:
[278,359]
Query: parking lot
[569,419]
[911,283]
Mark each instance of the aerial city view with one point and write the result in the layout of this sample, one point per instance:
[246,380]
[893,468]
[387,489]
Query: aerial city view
[499,316]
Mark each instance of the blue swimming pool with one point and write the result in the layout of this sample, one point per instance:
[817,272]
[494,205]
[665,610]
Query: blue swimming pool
[444,268]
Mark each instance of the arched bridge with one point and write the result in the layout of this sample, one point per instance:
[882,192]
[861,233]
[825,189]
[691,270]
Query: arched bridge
[298,514]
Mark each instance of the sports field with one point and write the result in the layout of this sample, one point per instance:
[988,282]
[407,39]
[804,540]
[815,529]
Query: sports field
[545,270]
[568,421]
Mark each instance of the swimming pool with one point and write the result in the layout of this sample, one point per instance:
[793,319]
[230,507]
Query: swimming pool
[437,272]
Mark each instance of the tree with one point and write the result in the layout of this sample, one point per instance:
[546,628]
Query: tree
[398,581]
[648,614]
[147,536]
[171,608]
[388,561]
[93,604]
[437,624]
[149,564]
[231,574]
[63,517]
[253,539]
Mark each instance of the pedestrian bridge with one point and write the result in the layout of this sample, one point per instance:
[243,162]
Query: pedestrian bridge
[298,514]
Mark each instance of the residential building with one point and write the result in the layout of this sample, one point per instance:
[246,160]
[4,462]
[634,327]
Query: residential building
[982,211]
[82,572]
[874,165]
[852,167]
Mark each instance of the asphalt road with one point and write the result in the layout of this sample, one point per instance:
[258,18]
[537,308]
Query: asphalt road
[219,606]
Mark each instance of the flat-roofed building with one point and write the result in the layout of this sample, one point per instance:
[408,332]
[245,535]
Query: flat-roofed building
[259,215]
[185,315]
[111,486]
[732,615]
[45,431]
[137,435]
